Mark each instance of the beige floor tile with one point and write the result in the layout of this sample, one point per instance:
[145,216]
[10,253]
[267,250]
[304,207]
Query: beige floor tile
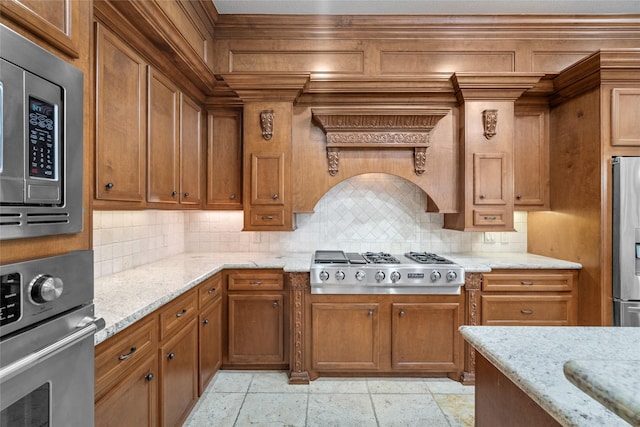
[231,382]
[402,410]
[458,408]
[394,385]
[273,409]
[449,387]
[216,409]
[340,410]
[339,385]
[275,382]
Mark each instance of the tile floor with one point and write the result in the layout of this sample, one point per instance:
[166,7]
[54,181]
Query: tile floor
[259,398]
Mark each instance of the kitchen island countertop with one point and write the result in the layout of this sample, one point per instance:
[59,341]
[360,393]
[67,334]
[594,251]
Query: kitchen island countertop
[126,297]
[533,358]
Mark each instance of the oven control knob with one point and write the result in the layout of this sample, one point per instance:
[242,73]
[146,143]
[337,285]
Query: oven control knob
[340,275]
[45,288]
[379,276]
[360,275]
[395,276]
[324,275]
[435,275]
[451,276]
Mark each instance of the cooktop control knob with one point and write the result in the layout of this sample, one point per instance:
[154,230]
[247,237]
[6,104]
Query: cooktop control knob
[360,275]
[379,276]
[395,276]
[324,276]
[339,275]
[451,276]
[435,275]
[45,288]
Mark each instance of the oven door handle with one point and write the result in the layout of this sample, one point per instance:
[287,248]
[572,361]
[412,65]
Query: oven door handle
[25,363]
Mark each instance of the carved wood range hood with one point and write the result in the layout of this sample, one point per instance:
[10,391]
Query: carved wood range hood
[377,129]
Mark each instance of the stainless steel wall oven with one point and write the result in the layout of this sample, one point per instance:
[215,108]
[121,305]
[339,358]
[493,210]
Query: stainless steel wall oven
[40,141]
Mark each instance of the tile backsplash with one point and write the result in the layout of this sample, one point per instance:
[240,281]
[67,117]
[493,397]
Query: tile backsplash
[373,212]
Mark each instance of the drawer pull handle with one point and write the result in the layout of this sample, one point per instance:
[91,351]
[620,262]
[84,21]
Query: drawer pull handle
[267,217]
[402,313]
[182,313]
[149,377]
[128,355]
[205,322]
[527,282]
[526,311]
[171,356]
[212,290]
[256,282]
[370,313]
[490,218]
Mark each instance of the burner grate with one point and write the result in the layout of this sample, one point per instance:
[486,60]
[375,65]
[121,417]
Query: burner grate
[427,258]
[380,258]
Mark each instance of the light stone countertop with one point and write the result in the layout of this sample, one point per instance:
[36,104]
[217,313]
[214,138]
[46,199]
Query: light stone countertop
[613,383]
[533,358]
[126,297]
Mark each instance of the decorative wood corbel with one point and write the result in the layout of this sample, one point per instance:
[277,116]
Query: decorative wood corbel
[266,122]
[489,123]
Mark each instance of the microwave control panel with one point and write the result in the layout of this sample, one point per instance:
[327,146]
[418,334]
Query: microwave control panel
[42,139]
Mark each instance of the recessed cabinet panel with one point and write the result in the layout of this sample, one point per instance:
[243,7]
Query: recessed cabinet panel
[190,151]
[625,126]
[489,175]
[267,180]
[121,91]
[224,160]
[163,139]
[530,168]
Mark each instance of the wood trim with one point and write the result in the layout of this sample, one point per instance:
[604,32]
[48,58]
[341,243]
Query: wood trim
[299,285]
[472,286]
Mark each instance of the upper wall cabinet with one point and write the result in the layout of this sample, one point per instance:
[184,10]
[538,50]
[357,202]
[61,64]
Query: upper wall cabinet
[530,157]
[625,126]
[121,111]
[224,159]
[57,22]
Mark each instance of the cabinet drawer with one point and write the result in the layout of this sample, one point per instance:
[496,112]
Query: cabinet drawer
[177,314]
[116,354]
[209,290]
[267,217]
[527,310]
[256,280]
[527,281]
[489,217]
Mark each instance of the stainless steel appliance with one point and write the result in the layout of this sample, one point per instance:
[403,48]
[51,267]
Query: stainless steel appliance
[337,272]
[40,141]
[47,328]
[626,241]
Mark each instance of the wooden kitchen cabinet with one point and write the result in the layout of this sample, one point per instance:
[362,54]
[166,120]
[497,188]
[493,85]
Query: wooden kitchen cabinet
[209,330]
[257,312]
[224,159]
[191,155]
[530,158]
[120,127]
[525,297]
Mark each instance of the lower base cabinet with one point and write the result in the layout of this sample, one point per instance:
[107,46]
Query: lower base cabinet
[210,340]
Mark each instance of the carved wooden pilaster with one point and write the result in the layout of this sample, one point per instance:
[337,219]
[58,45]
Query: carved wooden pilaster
[472,287]
[299,285]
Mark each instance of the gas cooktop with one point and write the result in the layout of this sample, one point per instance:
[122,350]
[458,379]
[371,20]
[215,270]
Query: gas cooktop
[339,272]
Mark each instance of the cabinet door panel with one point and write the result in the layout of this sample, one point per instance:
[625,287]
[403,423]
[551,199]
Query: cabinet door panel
[348,338]
[132,401]
[224,174]
[548,310]
[121,91]
[267,179]
[210,343]
[163,139]
[256,328]
[489,171]
[530,159]
[190,151]
[424,336]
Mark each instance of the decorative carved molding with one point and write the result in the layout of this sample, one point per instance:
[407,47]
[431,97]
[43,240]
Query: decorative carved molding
[489,123]
[472,286]
[377,128]
[298,285]
[266,123]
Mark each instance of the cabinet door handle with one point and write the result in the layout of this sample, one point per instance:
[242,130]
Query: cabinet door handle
[255,282]
[275,196]
[212,290]
[370,313]
[267,217]
[275,304]
[109,186]
[171,356]
[149,376]
[127,355]
[182,313]
[186,195]
[402,313]
[527,282]
[174,193]
[205,322]
[526,311]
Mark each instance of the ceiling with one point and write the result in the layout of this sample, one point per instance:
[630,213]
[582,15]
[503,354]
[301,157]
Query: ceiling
[426,7]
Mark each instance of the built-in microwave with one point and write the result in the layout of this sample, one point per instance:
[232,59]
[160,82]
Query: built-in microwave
[41,131]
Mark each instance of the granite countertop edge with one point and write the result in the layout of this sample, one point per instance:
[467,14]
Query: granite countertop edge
[159,282]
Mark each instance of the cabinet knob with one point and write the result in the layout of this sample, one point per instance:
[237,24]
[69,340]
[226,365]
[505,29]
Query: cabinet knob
[174,193]
[275,196]
[205,322]
[212,290]
[127,355]
[186,195]
[232,197]
[109,186]
[171,356]
[275,304]
[401,314]
[370,313]
[519,197]
[149,377]
[482,196]
[526,311]
[182,313]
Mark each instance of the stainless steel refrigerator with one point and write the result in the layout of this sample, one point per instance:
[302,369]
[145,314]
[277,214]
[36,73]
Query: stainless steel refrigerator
[626,241]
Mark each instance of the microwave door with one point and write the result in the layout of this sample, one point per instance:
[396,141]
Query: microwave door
[13,127]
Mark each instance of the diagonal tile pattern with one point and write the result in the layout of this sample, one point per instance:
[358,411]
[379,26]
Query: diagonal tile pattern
[264,398]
